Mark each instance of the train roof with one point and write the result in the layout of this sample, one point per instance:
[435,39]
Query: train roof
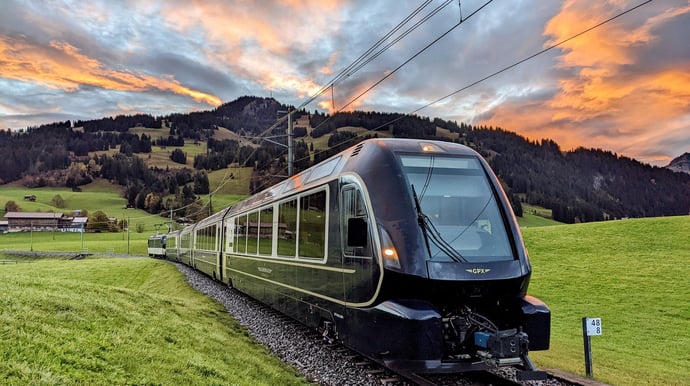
[331,168]
[336,164]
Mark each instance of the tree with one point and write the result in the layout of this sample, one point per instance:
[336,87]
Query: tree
[178,156]
[57,201]
[98,222]
[152,203]
[201,184]
[11,206]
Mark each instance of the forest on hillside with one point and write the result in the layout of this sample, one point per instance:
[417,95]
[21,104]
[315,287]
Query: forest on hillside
[578,186]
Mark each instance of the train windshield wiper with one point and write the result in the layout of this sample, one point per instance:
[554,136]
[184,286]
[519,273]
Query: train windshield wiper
[431,234]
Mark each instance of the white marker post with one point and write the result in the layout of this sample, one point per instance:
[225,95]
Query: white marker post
[590,327]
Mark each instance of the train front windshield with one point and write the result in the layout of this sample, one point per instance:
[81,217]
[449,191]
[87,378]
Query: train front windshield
[459,212]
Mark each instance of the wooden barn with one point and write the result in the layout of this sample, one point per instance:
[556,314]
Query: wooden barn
[37,221]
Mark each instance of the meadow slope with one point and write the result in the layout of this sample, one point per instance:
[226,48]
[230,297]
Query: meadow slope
[631,273]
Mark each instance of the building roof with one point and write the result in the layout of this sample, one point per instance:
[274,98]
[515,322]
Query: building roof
[80,220]
[33,215]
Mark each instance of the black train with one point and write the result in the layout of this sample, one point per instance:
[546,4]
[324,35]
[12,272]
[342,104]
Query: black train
[405,250]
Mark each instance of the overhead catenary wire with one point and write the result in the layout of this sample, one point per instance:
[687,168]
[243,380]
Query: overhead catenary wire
[350,69]
[390,73]
[361,61]
[474,83]
[530,57]
[416,25]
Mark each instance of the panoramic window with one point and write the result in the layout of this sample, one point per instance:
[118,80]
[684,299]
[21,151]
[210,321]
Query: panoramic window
[266,231]
[172,242]
[312,225]
[287,221]
[241,234]
[460,208]
[252,232]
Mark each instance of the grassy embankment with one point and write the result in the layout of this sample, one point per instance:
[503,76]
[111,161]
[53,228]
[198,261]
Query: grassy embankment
[231,185]
[534,216]
[122,321]
[631,273]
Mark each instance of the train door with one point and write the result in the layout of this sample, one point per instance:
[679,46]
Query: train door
[227,248]
[360,268]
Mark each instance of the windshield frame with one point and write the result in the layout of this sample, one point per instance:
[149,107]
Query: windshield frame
[486,236]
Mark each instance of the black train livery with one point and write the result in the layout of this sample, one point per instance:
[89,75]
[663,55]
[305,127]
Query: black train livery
[405,250]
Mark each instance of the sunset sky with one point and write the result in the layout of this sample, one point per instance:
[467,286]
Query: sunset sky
[624,86]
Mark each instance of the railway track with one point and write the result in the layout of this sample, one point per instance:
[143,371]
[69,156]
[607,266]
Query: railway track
[332,363]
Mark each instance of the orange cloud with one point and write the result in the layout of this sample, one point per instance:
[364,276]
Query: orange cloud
[609,98]
[259,40]
[61,65]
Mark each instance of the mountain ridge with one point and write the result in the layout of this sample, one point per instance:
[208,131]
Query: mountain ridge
[579,185]
[680,163]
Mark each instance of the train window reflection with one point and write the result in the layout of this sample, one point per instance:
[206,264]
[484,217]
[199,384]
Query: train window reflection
[287,214]
[241,234]
[455,195]
[266,231]
[252,232]
[312,225]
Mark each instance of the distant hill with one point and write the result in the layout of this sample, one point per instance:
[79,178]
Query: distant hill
[680,164]
[577,186]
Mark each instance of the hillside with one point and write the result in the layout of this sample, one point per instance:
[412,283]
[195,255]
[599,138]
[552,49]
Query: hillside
[680,163]
[630,273]
[136,152]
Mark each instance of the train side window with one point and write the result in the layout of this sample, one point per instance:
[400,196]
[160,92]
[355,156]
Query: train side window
[355,223]
[312,225]
[241,234]
[252,232]
[266,231]
[287,218]
[211,237]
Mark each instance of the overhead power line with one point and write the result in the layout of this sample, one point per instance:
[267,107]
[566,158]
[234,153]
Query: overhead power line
[389,74]
[530,57]
[364,59]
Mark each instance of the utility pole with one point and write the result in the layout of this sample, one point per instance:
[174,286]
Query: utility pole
[291,157]
[128,235]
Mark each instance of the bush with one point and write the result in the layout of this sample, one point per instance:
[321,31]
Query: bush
[178,156]
[11,206]
[57,201]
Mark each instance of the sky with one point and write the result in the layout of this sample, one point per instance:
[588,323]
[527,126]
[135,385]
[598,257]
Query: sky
[623,86]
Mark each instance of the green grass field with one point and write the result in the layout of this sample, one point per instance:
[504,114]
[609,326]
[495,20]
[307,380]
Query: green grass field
[534,216]
[98,195]
[118,243]
[122,322]
[631,273]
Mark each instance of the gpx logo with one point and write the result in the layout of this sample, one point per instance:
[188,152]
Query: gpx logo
[478,270]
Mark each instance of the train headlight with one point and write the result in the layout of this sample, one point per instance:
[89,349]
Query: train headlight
[388,251]
[429,147]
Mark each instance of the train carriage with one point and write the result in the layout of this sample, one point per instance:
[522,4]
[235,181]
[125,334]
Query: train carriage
[206,243]
[172,250]
[184,246]
[156,245]
[404,250]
